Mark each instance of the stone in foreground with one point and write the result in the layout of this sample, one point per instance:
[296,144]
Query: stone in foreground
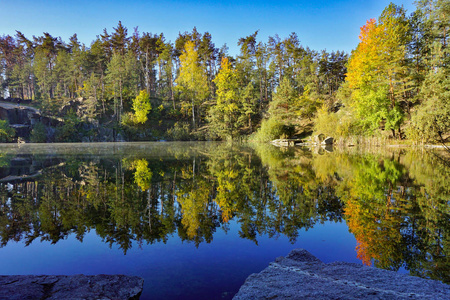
[300,275]
[74,287]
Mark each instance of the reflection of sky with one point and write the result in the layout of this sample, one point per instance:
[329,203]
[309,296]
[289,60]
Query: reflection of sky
[178,269]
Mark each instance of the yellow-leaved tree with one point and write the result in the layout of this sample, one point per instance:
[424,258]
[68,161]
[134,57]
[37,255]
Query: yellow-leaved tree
[141,107]
[377,72]
[192,81]
[224,116]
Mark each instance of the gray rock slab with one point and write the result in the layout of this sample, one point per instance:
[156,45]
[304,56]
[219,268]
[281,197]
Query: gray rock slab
[74,287]
[300,275]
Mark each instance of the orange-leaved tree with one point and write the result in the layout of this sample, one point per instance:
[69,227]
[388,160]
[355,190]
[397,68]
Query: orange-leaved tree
[377,72]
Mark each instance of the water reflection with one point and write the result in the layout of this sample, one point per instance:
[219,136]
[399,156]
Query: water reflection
[396,203]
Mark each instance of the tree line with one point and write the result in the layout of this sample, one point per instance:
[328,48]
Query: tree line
[394,84]
[183,86]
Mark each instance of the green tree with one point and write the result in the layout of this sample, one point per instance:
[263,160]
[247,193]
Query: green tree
[248,80]
[119,39]
[78,66]
[249,99]
[122,77]
[431,118]
[96,64]
[283,108]
[148,45]
[68,131]
[431,121]
[46,51]
[62,73]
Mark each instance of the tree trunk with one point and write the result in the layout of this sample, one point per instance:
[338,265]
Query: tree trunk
[193,114]
[147,75]
[121,101]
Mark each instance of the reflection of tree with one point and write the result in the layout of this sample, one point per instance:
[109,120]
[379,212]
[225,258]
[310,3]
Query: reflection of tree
[16,219]
[429,228]
[142,175]
[397,208]
[396,204]
[198,217]
[125,201]
[4,161]
[297,195]
[373,211]
[100,199]
[227,166]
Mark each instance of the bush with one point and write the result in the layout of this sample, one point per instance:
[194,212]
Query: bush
[338,125]
[68,131]
[270,130]
[179,132]
[7,133]
[128,120]
[39,133]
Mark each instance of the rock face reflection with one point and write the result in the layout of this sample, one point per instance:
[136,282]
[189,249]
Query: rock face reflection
[396,203]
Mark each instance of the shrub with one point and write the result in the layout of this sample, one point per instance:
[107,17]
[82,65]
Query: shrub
[270,130]
[340,124]
[39,133]
[128,119]
[179,132]
[68,131]
[7,133]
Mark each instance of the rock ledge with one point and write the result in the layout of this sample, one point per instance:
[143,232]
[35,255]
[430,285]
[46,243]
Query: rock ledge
[74,287]
[300,275]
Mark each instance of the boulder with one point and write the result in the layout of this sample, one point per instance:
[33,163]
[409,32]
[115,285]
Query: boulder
[328,148]
[300,275]
[328,141]
[70,287]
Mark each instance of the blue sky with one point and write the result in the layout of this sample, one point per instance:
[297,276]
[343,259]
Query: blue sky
[331,25]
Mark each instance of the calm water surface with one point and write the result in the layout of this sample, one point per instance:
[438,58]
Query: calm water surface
[196,219]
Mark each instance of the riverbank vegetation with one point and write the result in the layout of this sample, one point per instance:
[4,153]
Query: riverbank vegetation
[140,86]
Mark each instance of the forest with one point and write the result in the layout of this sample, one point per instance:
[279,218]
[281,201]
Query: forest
[137,86]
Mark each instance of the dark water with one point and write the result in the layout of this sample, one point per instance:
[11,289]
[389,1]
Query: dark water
[195,219]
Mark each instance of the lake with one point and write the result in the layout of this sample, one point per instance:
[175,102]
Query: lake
[196,219]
